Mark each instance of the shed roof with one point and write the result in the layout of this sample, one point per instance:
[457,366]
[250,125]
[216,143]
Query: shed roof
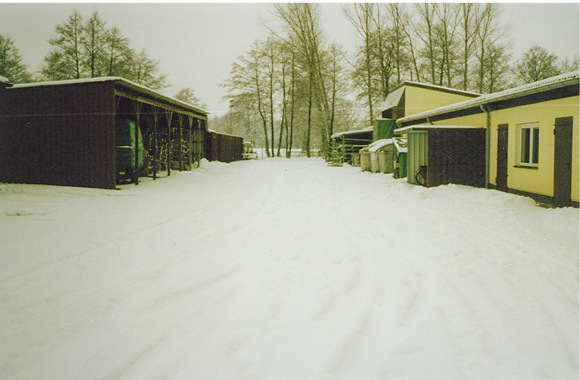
[120,81]
[512,93]
[363,130]
[222,133]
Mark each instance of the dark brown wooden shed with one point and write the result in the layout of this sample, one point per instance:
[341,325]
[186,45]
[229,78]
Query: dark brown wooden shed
[223,147]
[450,154]
[64,133]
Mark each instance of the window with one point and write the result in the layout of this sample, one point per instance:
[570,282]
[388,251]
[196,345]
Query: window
[529,144]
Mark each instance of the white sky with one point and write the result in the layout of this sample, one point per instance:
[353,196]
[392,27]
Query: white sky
[196,43]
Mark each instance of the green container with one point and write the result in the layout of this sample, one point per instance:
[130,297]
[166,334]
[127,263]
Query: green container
[418,151]
[125,142]
[401,171]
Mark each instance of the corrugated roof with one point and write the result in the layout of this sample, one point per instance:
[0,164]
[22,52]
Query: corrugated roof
[516,92]
[123,81]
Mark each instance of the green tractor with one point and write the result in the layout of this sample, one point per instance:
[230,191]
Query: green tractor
[126,150]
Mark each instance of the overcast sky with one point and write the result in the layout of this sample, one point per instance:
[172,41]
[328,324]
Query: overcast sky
[196,43]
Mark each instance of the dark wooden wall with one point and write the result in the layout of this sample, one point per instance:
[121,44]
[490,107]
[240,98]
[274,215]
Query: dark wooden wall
[456,156]
[224,148]
[59,135]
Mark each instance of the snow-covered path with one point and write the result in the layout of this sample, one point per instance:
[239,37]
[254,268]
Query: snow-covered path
[285,269]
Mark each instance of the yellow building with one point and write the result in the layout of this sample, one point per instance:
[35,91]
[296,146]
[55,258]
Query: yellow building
[410,98]
[532,137]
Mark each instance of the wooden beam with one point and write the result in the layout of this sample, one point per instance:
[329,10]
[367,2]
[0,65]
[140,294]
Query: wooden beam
[137,108]
[155,112]
[159,104]
[169,115]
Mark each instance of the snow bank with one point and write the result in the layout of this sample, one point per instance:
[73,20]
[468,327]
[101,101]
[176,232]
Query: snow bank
[285,269]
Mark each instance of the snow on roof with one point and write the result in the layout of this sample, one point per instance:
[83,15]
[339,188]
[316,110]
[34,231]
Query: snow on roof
[222,133]
[400,144]
[428,126]
[516,92]
[377,145]
[367,129]
[5,81]
[111,79]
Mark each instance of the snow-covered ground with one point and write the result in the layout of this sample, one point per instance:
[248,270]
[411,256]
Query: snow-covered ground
[285,269]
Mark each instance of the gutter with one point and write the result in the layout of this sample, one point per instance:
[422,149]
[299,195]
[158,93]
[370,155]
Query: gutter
[486,110]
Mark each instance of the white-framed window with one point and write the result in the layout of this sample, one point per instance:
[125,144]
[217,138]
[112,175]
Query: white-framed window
[529,144]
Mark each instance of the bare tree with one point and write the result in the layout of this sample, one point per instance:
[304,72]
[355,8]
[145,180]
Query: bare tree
[536,64]
[489,33]
[361,17]
[468,27]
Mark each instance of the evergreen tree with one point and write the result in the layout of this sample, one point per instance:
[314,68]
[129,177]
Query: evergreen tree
[88,49]
[65,61]
[11,65]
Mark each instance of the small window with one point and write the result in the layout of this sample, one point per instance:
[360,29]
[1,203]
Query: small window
[529,144]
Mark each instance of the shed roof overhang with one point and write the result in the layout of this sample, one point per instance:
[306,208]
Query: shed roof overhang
[429,127]
[393,99]
[349,133]
[132,90]
[560,86]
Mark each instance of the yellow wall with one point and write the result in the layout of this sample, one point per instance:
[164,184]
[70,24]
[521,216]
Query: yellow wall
[540,180]
[418,99]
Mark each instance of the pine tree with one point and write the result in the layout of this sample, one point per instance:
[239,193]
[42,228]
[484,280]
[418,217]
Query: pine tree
[65,61]
[11,65]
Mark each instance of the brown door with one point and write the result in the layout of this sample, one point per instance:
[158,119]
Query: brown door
[563,161]
[502,155]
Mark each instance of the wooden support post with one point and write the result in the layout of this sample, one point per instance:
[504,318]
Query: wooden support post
[180,118]
[190,142]
[169,115]
[155,113]
[137,107]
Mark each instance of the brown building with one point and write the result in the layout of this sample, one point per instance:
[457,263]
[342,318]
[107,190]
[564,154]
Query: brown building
[66,132]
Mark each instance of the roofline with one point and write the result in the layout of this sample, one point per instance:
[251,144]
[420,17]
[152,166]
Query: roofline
[545,85]
[436,87]
[426,127]
[223,133]
[363,130]
[117,80]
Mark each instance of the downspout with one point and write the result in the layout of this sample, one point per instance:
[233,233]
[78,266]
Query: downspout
[429,120]
[487,139]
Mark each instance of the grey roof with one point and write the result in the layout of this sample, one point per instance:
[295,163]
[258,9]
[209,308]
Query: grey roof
[516,92]
[123,81]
